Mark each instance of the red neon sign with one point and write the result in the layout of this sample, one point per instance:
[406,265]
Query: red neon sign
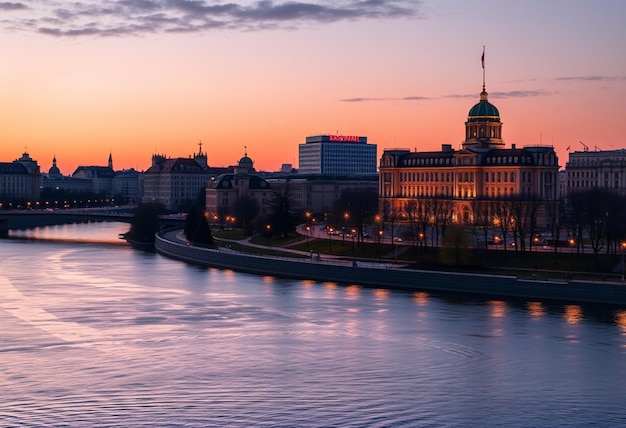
[348,138]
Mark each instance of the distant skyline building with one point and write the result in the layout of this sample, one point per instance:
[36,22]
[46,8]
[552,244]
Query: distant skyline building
[596,169]
[101,180]
[20,179]
[337,155]
[178,182]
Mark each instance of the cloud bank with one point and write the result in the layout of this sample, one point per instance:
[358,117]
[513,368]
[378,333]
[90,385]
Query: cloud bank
[510,94]
[137,17]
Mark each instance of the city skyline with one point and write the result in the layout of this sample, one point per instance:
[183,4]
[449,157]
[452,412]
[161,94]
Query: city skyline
[135,78]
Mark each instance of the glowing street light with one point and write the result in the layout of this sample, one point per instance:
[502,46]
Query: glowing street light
[308,231]
[330,238]
[623,247]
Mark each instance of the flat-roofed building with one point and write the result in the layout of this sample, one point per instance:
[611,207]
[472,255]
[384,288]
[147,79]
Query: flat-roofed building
[600,168]
[337,155]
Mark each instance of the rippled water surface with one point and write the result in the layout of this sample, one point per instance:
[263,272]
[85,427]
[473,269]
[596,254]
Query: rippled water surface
[102,335]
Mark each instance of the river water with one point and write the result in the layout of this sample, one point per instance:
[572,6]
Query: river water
[98,334]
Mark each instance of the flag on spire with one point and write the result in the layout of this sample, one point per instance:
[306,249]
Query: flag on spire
[482,58]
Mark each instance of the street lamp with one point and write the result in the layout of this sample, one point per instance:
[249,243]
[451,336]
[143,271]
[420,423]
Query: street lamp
[308,231]
[623,247]
[267,230]
[380,243]
[353,232]
[330,238]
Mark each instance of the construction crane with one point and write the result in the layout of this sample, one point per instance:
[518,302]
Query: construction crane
[585,146]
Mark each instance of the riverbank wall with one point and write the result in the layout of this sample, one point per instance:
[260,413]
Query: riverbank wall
[384,276]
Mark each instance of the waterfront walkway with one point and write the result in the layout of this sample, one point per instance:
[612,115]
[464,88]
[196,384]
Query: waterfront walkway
[224,245]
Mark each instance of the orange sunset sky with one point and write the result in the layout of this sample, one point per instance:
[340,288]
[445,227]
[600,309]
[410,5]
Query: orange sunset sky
[82,79]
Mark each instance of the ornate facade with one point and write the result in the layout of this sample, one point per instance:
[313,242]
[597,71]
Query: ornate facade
[482,170]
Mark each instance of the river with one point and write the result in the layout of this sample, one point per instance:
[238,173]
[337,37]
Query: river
[94,333]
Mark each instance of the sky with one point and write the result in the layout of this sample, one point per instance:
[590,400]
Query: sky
[83,79]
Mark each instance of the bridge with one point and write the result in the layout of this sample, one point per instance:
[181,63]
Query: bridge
[25,219]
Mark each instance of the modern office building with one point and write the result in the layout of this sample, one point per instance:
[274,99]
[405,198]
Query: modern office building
[337,155]
[601,168]
[482,169]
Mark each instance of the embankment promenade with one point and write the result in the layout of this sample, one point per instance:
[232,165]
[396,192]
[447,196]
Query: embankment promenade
[386,276]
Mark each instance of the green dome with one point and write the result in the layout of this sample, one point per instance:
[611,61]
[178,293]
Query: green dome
[484,111]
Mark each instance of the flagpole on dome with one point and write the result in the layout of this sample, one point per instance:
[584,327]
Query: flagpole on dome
[482,60]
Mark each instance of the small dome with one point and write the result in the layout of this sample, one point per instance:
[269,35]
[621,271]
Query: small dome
[245,162]
[54,170]
[484,111]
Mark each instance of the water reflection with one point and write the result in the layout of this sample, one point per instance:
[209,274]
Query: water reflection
[381,293]
[421,298]
[573,314]
[620,319]
[353,292]
[536,309]
[145,340]
[497,308]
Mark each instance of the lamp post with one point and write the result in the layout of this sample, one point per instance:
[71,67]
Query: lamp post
[307,224]
[330,238]
[308,231]
[623,247]
[267,230]
[353,232]
[380,243]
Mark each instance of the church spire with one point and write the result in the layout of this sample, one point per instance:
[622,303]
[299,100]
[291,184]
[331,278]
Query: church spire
[110,160]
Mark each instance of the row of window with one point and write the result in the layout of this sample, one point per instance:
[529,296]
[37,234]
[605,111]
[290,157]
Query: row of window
[467,176]
[592,174]
[590,183]
[462,192]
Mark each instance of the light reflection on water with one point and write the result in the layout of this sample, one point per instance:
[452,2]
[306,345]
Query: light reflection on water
[106,336]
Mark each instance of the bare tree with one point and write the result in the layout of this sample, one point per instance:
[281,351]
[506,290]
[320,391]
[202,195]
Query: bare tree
[483,218]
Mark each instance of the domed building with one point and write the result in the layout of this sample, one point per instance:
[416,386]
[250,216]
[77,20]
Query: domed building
[483,128]
[54,170]
[467,182]
[223,191]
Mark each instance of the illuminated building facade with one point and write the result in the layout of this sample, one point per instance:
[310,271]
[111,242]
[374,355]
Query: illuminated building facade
[337,155]
[482,170]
